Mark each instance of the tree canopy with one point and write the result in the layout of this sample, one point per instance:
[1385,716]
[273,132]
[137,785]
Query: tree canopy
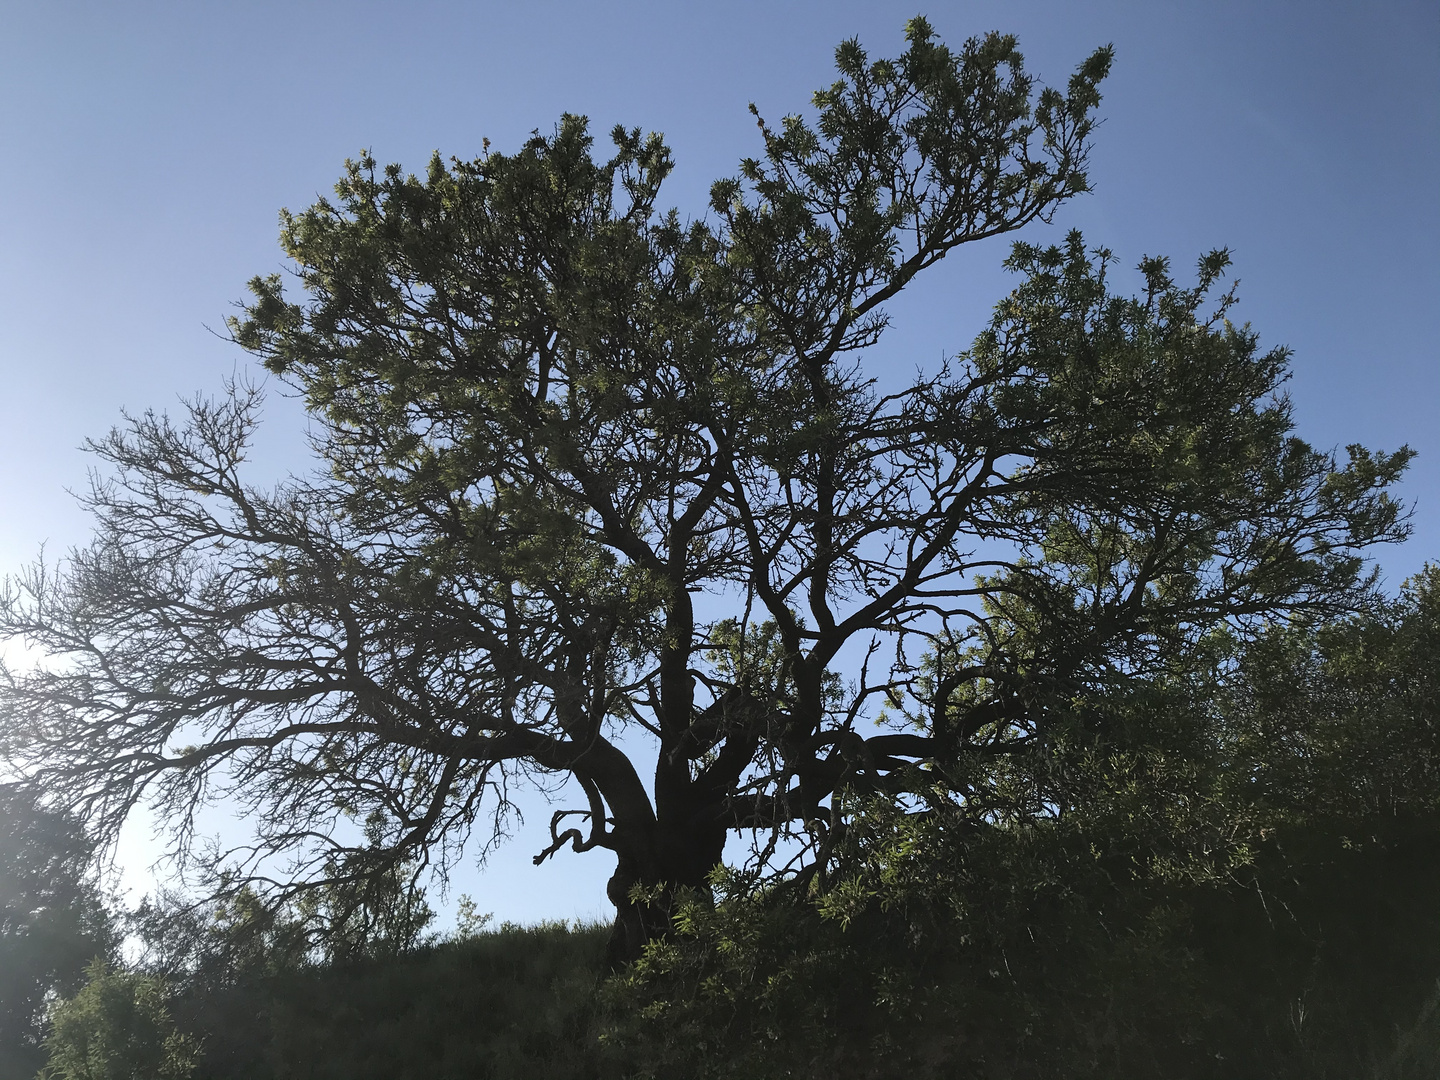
[596,481]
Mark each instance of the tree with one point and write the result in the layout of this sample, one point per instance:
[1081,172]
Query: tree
[117,1028]
[52,921]
[593,477]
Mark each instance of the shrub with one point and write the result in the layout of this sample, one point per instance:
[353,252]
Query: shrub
[117,1028]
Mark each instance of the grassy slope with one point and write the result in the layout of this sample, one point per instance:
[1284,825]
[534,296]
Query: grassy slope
[519,1002]
[514,1003]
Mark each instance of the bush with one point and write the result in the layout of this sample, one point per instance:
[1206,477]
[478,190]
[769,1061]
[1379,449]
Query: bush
[117,1028]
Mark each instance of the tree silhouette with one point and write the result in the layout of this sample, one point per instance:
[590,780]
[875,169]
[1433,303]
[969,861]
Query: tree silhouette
[593,477]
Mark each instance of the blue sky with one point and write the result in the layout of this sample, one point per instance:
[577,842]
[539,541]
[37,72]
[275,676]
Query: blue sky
[147,148]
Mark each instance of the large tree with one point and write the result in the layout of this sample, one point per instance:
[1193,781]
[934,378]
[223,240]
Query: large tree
[598,482]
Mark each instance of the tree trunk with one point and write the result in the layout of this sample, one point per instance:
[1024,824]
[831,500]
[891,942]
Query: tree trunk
[675,861]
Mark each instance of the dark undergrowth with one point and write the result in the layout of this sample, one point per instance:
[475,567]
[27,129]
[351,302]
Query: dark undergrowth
[1337,979]
[516,1002]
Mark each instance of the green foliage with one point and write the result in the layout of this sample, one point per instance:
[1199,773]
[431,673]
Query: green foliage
[117,1028]
[364,913]
[214,944]
[470,921]
[1154,786]
[548,411]
[1242,880]
[52,922]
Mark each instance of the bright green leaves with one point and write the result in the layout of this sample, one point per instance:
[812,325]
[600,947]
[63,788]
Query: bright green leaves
[118,1028]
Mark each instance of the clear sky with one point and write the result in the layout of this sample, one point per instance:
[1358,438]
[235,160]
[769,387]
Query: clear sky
[147,148]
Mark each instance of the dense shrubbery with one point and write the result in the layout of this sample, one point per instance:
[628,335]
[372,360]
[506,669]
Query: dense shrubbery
[118,1027]
[1243,882]
[1303,966]
[515,1003]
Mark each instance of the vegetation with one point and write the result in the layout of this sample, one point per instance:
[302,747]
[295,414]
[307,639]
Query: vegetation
[551,418]
[1246,886]
[515,1003]
[1053,688]
[117,1028]
[52,922]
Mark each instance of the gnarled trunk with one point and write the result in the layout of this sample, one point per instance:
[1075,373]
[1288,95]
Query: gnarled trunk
[649,877]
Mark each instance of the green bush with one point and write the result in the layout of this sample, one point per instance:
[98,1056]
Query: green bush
[53,922]
[1029,957]
[117,1028]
